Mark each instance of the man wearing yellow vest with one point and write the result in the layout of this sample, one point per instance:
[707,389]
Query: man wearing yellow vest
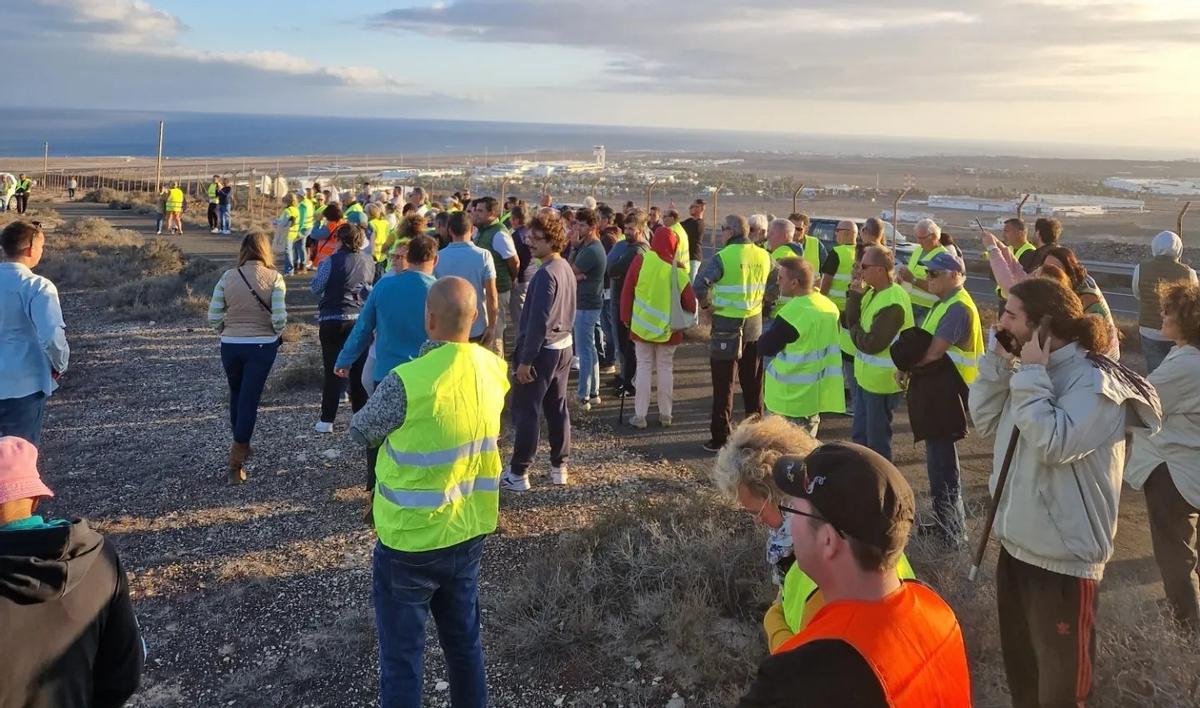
[878,640]
[24,187]
[836,271]
[214,223]
[733,287]
[877,311]
[804,365]
[913,276]
[957,333]
[813,250]
[437,420]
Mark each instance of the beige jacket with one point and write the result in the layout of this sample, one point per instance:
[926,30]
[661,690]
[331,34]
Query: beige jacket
[1177,381]
[1059,507]
[235,313]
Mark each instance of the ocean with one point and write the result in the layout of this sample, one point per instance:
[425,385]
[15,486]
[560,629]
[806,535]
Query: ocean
[92,133]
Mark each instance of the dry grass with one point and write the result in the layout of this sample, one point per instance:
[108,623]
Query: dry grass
[37,211]
[681,586]
[676,584]
[302,371]
[138,278]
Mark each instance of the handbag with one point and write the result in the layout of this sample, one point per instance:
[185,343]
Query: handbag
[725,346]
[681,319]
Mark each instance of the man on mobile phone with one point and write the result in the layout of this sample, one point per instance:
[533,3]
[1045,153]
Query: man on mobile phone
[1057,514]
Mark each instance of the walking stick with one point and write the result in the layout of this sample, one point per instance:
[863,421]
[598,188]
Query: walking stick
[991,517]
[621,411]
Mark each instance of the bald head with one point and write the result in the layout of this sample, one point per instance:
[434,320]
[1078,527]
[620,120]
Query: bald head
[450,310]
[877,263]
[847,233]
[872,231]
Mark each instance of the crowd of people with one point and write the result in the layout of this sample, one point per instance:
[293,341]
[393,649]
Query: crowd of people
[436,318]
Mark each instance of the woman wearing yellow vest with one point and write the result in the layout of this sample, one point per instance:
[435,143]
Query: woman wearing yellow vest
[646,304]
[381,235]
[173,208]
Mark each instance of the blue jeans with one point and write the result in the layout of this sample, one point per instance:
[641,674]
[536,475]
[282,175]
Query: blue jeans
[941,462]
[586,323]
[22,417]
[1155,351]
[407,588]
[607,346]
[223,216]
[873,420]
[246,369]
[293,256]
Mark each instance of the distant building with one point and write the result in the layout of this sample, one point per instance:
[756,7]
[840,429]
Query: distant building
[1187,187]
[1038,204]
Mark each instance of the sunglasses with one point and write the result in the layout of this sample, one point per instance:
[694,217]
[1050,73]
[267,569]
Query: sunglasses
[784,509]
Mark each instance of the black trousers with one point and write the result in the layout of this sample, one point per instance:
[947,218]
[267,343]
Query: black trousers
[22,202]
[750,375]
[213,221]
[1047,634]
[1173,535]
[333,335]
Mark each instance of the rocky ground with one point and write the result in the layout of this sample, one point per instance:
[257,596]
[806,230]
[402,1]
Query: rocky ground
[261,594]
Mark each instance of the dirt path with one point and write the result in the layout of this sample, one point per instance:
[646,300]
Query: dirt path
[262,593]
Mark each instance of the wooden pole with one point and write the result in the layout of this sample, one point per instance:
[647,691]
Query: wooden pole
[45,161]
[716,227]
[1179,222]
[158,167]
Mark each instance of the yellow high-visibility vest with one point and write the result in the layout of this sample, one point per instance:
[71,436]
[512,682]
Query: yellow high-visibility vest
[652,295]
[806,377]
[876,373]
[438,474]
[917,296]
[965,360]
[743,283]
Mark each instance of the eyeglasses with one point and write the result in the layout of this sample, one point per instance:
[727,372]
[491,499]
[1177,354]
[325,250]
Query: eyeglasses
[934,273]
[784,509]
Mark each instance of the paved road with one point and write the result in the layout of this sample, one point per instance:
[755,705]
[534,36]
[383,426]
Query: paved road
[1120,300]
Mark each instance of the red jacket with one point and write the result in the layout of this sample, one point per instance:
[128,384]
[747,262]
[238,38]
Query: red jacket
[663,245]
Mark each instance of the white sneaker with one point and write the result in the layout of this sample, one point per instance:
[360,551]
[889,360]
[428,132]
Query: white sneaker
[574,363]
[585,405]
[665,421]
[510,482]
[214,231]
[558,475]
[595,400]
[638,422]
[323,427]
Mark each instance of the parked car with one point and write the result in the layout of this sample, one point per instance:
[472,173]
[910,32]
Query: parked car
[823,228]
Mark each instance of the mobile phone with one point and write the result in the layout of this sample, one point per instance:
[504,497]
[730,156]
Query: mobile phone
[980,225]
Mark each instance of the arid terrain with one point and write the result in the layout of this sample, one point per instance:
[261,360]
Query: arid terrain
[633,586]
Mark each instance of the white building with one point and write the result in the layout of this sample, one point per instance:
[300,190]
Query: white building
[1187,187]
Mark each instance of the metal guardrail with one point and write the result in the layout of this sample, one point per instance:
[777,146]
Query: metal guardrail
[1105,267]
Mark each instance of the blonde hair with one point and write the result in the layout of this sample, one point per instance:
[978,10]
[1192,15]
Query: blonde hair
[256,246]
[752,450]
[374,211]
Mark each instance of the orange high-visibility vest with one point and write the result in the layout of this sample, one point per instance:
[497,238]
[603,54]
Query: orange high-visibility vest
[910,639]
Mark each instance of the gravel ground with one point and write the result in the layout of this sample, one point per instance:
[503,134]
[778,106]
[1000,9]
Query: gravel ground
[262,592]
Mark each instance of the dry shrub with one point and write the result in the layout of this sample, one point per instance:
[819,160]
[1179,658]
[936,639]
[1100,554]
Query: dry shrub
[679,584]
[297,332]
[304,371]
[181,294]
[90,253]
[39,212]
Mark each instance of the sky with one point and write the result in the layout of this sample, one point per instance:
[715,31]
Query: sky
[1068,71]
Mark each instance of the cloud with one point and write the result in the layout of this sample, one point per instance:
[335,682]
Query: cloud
[852,50]
[134,28]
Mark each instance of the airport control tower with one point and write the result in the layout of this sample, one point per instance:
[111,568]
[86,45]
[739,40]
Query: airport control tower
[598,153]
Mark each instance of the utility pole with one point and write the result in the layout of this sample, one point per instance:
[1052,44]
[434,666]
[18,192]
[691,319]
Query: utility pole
[158,168]
[45,163]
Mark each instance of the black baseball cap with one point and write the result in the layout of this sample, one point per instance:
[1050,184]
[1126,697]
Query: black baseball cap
[856,489]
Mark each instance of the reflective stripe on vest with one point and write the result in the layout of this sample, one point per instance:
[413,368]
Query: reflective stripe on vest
[651,318]
[175,199]
[801,598]
[876,373]
[917,296]
[438,474]
[378,244]
[911,640]
[812,253]
[212,193]
[967,362]
[806,377]
[739,293]
[293,227]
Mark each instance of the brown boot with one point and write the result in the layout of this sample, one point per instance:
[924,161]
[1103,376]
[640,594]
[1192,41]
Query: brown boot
[237,458]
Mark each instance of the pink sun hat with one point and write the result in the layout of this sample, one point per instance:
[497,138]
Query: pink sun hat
[19,478]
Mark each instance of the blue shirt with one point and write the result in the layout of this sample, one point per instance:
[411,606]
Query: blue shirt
[395,313]
[474,265]
[33,339]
